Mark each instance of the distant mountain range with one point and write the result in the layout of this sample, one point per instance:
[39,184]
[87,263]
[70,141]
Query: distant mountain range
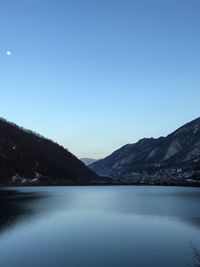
[88,161]
[29,158]
[26,157]
[176,156]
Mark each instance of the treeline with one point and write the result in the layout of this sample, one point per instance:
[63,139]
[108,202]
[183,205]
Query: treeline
[30,155]
[196,175]
[25,130]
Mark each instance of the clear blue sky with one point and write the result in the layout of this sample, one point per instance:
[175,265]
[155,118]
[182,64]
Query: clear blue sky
[94,75]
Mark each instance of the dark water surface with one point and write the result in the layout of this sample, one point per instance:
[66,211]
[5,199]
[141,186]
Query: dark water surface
[92,226]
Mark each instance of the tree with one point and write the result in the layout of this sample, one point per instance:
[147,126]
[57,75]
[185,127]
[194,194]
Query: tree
[196,256]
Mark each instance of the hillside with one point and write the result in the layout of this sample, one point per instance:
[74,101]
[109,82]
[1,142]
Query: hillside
[176,156]
[88,161]
[28,157]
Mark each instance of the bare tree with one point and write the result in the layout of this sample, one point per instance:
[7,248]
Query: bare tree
[196,256]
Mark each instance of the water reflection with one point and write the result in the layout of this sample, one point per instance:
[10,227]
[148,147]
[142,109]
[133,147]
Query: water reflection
[171,203]
[98,226]
[179,204]
[15,206]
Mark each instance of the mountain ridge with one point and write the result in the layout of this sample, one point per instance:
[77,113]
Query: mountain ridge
[88,161]
[26,156]
[175,156]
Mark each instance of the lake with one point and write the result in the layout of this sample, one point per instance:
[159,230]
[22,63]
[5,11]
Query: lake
[98,226]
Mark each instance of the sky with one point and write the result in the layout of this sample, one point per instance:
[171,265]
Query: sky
[94,75]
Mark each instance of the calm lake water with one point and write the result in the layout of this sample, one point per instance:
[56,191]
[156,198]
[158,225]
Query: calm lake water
[119,226]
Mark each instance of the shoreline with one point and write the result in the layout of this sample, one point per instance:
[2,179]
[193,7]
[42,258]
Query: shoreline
[172,184]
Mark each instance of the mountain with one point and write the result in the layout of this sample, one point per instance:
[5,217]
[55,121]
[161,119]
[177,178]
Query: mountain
[88,161]
[26,157]
[176,156]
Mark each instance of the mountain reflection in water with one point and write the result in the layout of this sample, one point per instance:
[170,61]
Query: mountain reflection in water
[14,206]
[98,226]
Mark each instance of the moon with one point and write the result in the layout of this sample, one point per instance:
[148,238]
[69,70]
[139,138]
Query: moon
[8,53]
